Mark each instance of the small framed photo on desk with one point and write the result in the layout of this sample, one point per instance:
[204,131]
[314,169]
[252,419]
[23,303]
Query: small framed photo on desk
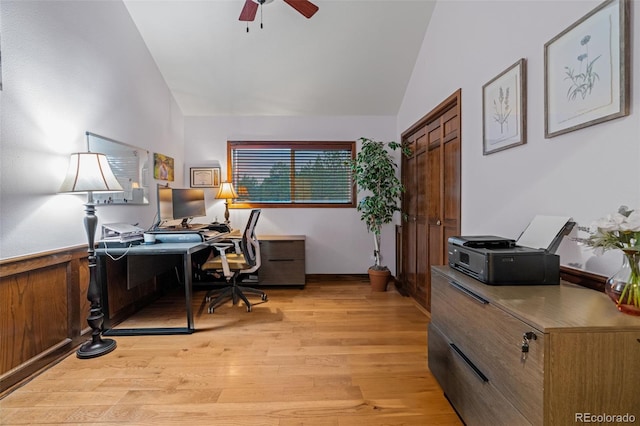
[205,177]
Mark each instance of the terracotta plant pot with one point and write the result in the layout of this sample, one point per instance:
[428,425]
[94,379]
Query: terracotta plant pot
[379,279]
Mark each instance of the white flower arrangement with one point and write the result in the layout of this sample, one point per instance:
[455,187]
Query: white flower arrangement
[619,231]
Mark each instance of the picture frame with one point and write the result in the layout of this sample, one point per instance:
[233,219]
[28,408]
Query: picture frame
[205,177]
[587,70]
[504,109]
[163,167]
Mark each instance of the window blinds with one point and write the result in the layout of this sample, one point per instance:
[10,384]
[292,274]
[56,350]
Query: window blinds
[292,172]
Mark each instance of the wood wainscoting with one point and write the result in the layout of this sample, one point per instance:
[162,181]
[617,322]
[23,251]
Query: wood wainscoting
[43,297]
[44,309]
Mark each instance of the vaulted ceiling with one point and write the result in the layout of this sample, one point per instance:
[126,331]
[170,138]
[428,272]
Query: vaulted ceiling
[353,57]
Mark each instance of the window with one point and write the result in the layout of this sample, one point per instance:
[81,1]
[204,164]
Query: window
[291,174]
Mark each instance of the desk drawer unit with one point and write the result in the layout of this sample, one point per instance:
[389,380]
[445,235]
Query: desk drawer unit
[283,260]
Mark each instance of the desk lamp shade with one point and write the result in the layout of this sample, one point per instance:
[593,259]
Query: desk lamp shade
[227,193]
[89,171]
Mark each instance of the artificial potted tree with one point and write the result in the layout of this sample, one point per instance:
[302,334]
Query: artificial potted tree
[374,172]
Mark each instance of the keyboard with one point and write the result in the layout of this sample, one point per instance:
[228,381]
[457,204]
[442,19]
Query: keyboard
[198,226]
[173,231]
[193,227]
[209,234]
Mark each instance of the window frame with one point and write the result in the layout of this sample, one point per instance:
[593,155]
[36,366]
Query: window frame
[302,145]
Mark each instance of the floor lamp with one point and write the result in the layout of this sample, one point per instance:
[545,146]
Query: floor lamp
[90,172]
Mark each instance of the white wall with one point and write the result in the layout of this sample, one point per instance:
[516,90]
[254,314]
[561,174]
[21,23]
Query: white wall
[70,67]
[584,174]
[337,241]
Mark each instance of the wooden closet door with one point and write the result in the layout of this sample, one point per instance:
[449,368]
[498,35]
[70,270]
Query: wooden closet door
[413,229]
[451,171]
[432,195]
[409,203]
[443,196]
[422,272]
[418,227]
[434,202]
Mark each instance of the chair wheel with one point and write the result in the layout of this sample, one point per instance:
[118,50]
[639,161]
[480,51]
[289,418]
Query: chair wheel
[248,308]
[207,299]
[264,297]
[210,310]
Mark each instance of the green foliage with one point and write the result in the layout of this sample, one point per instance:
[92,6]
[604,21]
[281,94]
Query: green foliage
[327,179]
[374,172]
[324,179]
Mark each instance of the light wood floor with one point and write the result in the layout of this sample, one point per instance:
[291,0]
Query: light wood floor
[331,354]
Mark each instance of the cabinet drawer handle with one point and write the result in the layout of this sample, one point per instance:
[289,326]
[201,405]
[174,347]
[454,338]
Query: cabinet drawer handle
[469,293]
[469,363]
[281,260]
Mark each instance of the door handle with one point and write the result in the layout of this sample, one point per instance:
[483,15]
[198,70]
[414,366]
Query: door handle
[438,222]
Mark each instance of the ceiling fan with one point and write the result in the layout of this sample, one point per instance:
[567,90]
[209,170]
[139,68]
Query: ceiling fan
[305,7]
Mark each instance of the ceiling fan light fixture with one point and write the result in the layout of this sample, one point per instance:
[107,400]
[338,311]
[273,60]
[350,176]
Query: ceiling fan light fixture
[250,8]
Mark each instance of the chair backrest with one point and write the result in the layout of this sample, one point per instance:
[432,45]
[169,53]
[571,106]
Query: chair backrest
[249,244]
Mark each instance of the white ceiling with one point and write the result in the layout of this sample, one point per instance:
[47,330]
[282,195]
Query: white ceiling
[353,57]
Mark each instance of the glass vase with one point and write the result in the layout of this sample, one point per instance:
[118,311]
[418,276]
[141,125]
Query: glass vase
[624,287]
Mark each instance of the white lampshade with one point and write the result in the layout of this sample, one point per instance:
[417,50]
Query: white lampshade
[226,191]
[89,171]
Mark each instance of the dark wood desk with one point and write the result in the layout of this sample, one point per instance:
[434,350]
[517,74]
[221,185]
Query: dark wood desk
[149,264]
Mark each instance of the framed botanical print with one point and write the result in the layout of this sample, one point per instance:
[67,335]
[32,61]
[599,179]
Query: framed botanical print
[504,109]
[587,70]
[205,177]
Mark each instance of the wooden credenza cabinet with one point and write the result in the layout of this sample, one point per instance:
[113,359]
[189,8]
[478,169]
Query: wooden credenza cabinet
[283,260]
[583,355]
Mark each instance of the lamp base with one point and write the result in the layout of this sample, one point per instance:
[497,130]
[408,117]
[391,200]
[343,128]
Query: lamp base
[226,212]
[95,348]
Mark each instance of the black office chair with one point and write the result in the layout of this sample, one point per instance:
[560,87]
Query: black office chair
[244,260]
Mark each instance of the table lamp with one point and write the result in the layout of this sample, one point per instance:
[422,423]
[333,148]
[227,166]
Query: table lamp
[227,193]
[90,172]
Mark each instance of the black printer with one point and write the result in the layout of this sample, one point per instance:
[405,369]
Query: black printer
[502,261]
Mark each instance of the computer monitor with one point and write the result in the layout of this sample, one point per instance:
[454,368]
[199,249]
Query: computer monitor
[180,204]
[165,204]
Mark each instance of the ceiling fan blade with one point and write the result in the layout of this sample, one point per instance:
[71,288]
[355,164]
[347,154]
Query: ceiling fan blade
[305,7]
[248,11]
